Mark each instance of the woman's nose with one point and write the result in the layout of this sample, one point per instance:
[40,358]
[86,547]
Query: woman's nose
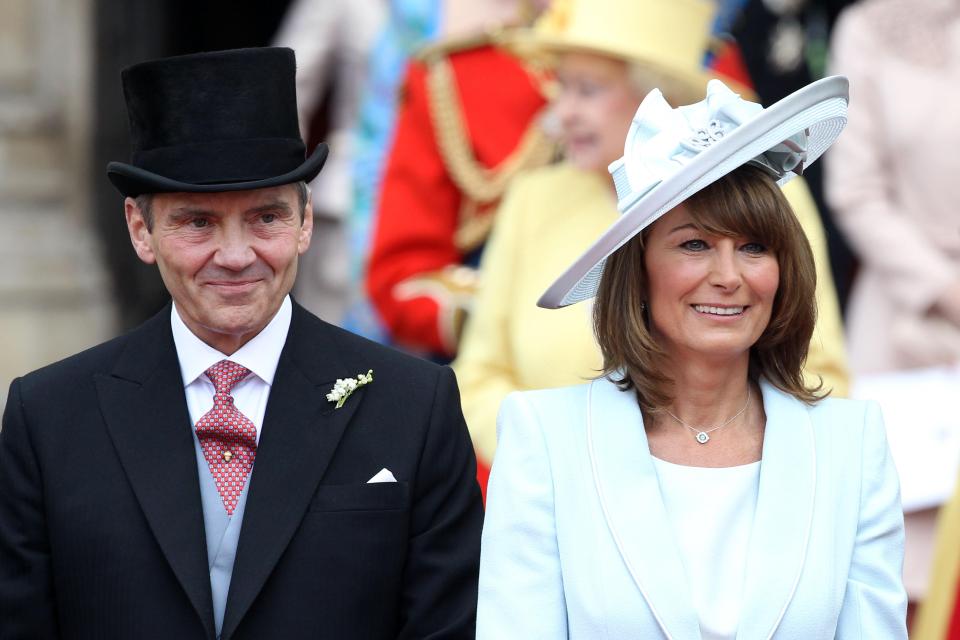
[725,270]
[564,108]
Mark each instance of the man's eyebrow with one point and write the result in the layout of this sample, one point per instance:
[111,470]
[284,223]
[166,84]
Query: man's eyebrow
[181,213]
[273,205]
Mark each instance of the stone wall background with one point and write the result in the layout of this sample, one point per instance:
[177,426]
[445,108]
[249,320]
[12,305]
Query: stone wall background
[54,300]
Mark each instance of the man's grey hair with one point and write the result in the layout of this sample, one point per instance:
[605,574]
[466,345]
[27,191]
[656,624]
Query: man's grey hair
[145,203]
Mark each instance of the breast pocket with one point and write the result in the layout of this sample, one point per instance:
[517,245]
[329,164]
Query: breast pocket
[376,496]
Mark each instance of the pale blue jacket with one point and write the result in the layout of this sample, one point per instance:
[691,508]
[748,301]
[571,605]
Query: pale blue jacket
[577,544]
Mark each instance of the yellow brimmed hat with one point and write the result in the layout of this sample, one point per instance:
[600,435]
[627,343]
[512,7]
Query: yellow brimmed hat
[668,38]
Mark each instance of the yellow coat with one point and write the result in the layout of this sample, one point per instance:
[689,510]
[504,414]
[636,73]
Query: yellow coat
[943,594]
[548,218]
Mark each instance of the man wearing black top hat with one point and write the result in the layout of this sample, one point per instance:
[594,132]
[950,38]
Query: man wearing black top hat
[235,467]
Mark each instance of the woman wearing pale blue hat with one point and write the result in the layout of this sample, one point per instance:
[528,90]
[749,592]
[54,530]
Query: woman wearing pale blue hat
[699,488]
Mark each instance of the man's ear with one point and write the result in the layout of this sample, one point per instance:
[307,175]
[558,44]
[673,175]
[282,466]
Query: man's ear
[139,233]
[306,229]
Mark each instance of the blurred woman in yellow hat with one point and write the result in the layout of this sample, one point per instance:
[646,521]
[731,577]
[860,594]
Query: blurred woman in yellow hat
[607,54]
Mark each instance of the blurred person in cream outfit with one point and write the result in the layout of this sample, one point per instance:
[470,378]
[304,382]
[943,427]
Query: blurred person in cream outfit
[892,184]
[608,54]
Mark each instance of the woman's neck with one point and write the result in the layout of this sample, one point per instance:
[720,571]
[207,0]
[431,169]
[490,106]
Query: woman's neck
[707,395]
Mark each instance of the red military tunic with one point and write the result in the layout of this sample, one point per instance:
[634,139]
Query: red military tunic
[465,125]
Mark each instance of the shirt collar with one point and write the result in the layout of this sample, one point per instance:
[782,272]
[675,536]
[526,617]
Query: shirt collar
[260,355]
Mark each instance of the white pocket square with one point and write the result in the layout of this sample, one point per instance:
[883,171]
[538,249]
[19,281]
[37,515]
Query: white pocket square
[383,475]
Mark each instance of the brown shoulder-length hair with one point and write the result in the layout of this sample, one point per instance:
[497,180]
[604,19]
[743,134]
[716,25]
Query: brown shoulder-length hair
[744,203]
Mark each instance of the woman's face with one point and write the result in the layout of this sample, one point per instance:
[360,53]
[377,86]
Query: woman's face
[708,296]
[594,109]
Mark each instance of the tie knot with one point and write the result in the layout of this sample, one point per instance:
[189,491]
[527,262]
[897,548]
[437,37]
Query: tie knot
[225,375]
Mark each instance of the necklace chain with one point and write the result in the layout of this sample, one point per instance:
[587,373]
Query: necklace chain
[701,434]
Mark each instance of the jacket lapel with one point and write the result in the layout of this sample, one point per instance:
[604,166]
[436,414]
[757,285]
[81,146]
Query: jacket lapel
[145,411]
[781,525]
[629,492]
[301,430]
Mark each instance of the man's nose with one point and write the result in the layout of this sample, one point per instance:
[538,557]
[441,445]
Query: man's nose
[235,250]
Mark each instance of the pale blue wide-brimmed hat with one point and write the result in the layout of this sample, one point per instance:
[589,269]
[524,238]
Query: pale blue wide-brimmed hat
[672,153]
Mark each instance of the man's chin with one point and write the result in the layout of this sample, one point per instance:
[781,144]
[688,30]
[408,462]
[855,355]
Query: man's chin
[236,320]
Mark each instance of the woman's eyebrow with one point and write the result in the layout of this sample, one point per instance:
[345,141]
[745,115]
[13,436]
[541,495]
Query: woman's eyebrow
[688,225]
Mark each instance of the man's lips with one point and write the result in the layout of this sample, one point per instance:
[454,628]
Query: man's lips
[232,285]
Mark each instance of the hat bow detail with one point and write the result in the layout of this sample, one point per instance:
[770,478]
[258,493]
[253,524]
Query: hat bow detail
[663,139]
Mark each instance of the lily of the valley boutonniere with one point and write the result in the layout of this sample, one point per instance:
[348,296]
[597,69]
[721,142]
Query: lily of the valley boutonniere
[343,387]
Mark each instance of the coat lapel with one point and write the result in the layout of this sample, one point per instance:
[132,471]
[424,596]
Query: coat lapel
[784,515]
[629,491]
[300,433]
[145,410]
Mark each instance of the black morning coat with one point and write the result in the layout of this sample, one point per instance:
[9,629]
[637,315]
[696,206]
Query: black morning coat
[101,526]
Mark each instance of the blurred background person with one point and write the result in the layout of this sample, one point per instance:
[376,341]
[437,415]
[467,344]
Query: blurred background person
[409,26]
[609,54]
[938,617]
[467,123]
[892,183]
[333,40]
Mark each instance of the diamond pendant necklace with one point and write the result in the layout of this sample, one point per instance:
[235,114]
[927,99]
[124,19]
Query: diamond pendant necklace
[701,434]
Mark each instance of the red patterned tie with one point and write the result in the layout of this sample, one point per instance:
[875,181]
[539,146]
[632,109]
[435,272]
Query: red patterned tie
[227,437]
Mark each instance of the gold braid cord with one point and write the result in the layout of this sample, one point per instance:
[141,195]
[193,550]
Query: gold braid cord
[479,185]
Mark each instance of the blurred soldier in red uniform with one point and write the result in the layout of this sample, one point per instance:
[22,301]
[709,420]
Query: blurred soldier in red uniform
[468,122]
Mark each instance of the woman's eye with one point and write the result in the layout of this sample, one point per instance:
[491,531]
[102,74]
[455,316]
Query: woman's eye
[694,245]
[589,89]
[754,247]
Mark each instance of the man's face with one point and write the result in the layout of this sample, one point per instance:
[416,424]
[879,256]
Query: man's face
[228,259]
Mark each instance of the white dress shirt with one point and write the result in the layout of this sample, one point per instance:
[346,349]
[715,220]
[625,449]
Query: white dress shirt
[711,514]
[261,356]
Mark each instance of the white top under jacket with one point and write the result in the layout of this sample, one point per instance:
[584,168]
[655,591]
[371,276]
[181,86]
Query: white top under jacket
[711,515]
[577,543]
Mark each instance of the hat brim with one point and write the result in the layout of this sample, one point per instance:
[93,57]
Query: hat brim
[679,83]
[133,181]
[819,108]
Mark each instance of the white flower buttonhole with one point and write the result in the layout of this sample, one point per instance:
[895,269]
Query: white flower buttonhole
[343,387]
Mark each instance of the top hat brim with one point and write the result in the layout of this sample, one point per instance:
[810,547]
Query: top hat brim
[820,109]
[133,181]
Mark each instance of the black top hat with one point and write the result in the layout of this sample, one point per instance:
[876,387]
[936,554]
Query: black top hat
[218,121]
